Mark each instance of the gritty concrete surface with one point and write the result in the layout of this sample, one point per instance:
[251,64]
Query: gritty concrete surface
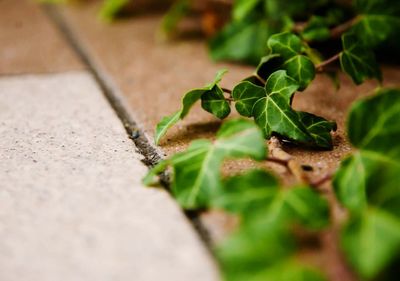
[72,205]
[29,43]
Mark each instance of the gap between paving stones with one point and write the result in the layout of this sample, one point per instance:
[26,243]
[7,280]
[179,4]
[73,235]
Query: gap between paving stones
[72,200]
[152,155]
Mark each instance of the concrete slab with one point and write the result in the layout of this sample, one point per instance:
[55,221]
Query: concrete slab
[29,43]
[72,205]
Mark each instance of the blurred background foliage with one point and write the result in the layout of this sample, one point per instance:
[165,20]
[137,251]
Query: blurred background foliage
[237,30]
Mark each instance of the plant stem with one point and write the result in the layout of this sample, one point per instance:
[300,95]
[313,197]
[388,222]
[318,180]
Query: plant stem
[260,79]
[320,67]
[279,156]
[321,181]
[228,91]
[337,31]
[279,161]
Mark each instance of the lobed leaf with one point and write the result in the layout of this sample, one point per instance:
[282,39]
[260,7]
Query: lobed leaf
[197,170]
[166,123]
[373,29]
[371,241]
[213,101]
[271,109]
[286,52]
[367,179]
[245,95]
[372,128]
[373,123]
[319,128]
[264,240]
[367,183]
[257,197]
[251,250]
[247,193]
[174,15]
[241,41]
[111,8]
[357,60]
[286,44]
[243,8]
[317,29]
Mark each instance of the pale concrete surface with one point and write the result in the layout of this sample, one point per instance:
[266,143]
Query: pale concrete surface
[30,43]
[72,205]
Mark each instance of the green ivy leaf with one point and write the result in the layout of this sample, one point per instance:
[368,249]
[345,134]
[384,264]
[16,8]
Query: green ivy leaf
[251,250]
[243,8]
[385,7]
[166,123]
[357,60]
[174,15]
[367,183]
[317,29]
[257,255]
[371,241]
[245,95]
[241,41]
[264,240]
[215,103]
[376,29]
[247,193]
[378,22]
[373,123]
[111,8]
[372,127]
[256,194]
[319,128]
[367,179]
[286,52]
[273,113]
[197,170]
[288,271]
[286,44]
[212,101]
[301,69]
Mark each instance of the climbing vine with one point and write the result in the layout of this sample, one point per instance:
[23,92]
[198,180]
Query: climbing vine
[265,244]
[290,42]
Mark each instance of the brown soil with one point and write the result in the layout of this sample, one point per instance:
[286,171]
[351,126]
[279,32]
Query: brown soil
[29,43]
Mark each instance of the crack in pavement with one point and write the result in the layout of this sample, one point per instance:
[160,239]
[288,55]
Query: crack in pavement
[152,155]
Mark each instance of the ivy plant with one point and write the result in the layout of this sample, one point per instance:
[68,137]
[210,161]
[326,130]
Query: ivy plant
[368,184]
[267,96]
[265,244]
[197,170]
[291,42]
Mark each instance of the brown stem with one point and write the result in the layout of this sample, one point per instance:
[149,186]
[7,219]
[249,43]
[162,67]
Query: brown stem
[228,91]
[299,27]
[318,183]
[260,79]
[320,67]
[337,31]
[279,161]
[284,158]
